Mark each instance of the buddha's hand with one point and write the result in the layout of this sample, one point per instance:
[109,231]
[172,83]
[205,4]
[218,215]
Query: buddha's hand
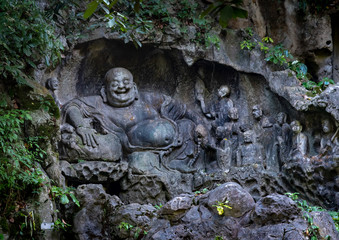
[88,136]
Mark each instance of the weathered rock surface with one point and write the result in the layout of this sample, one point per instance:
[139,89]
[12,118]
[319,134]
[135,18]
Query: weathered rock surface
[274,208]
[239,199]
[94,171]
[324,222]
[88,223]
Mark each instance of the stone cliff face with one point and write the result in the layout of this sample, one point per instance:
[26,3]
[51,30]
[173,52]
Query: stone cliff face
[218,119]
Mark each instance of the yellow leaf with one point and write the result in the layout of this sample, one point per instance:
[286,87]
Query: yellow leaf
[220,210]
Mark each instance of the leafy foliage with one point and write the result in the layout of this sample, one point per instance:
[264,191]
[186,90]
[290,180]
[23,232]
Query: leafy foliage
[25,38]
[128,27]
[317,88]
[125,225]
[60,224]
[20,175]
[134,19]
[18,158]
[278,55]
[227,9]
[138,231]
[63,194]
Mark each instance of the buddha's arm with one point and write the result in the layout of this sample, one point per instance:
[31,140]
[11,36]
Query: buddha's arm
[75,118]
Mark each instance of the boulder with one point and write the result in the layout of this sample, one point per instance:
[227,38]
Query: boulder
[275,208]
[238,199]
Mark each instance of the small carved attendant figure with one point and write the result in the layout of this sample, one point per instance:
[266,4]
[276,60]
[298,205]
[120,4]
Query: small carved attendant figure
[53,85]
[282,137]
[326,137]
[251,152]
[257,112]
[220,109]
[200,97]
[300,141]
[264,131]
[328,140]
[231,132]
[263,121]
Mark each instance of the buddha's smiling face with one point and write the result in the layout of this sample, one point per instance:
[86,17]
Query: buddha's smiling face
[121,90]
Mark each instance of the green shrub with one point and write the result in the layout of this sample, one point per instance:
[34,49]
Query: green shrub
[26,40]
[19,173]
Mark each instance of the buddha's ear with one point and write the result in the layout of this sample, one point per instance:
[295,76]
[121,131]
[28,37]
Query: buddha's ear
[136,91]
[103,93]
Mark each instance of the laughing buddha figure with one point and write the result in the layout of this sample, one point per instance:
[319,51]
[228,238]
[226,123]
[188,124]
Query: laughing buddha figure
[122,121]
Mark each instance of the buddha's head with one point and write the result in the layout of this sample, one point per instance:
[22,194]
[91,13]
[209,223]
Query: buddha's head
[120,89]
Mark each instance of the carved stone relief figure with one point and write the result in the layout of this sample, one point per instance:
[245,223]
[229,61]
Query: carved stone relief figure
[52,84]
[282,140]
[219,109]
[123,121]
[300,140]
[263,128]
[230,137]
[262,121]
[329,140]
[200,97]
[251,152]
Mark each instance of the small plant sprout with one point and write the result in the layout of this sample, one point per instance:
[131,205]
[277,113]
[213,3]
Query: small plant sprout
[293,196]
[220,207]
[267,40]
[158,206]
[205,190]
[125,225]
[60,224]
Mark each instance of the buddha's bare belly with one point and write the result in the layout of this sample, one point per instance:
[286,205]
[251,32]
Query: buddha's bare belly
[152,133]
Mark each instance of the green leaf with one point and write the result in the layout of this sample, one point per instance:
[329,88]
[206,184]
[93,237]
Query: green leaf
[240,13]
[225,15]
[27,52]
[91,7]
[64,199]
[74,199]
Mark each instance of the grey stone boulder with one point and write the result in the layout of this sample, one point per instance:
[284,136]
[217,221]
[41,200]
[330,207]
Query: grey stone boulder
[324,221]
[238,198]
[89,221]
[177,207]
[138,217]
[283,231]
[275,208]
